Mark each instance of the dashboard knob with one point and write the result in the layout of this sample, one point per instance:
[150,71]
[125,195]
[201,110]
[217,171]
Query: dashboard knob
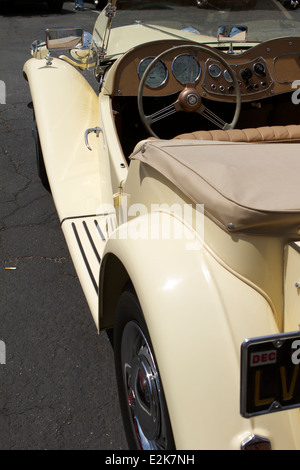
[246,74]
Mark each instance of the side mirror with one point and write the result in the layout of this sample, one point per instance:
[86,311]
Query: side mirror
[232,33]
[64,38]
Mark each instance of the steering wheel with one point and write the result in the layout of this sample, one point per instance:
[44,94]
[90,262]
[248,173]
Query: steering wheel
[189,100]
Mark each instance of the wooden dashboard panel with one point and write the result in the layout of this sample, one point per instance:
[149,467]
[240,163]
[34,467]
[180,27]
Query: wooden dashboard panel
[263,70]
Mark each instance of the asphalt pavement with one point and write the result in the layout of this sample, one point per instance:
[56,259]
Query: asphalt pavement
[57,382]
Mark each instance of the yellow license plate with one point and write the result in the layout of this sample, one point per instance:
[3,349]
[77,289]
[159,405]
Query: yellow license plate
[270,374]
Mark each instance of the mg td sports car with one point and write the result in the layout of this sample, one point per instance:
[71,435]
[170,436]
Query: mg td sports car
[169,139]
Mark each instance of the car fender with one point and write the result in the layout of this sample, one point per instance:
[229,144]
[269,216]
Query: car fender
[197,312]
[65,105]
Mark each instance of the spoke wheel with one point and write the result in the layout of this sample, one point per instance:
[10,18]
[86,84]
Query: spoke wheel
[144,411]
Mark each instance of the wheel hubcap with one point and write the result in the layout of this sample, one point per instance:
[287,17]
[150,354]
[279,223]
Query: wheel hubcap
[142,388]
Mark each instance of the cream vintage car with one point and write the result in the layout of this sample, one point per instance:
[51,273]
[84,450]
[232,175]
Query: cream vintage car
[176,184]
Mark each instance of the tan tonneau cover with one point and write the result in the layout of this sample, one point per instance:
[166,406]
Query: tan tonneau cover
[244,187]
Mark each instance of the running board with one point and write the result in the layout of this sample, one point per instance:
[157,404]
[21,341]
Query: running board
[86,238]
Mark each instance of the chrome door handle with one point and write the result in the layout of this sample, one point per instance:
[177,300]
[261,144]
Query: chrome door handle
[96,130]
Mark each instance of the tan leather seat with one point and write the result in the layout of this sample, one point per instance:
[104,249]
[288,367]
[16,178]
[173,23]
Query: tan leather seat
[289,133]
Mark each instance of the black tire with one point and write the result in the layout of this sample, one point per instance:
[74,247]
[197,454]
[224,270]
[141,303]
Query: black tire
[41,170]
[55,6]
[138,381]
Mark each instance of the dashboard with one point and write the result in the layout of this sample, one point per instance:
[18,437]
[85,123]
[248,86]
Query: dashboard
[264,70]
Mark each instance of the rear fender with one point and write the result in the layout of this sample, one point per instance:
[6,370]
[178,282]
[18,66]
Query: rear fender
[198,312]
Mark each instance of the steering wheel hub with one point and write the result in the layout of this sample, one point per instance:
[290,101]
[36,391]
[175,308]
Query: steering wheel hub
[189,99]
[192,99]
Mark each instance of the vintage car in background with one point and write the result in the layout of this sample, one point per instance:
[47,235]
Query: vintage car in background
[175,175]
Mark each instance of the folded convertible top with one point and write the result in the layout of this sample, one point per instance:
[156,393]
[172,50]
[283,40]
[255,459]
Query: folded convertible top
[244,187]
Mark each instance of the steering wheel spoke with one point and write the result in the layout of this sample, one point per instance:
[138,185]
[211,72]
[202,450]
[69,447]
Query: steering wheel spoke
[163,113]
[212,117]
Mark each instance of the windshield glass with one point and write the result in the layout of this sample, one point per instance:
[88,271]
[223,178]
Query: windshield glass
[265,19]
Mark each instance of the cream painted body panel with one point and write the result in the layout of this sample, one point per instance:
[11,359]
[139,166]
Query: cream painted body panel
[291,287]
[198,313]
[209,300]
[126,37]
[65,106]
[259,260]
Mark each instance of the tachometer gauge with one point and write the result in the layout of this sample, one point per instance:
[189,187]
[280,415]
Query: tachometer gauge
[186,68]
[158,74]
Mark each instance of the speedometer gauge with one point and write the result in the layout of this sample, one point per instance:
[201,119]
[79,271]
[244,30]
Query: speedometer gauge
[158,74]
[186,68]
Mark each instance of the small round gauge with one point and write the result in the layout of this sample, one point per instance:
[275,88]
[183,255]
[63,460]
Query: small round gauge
[158,74]
[186,68]
[228,77]
[214,70]
[259,69]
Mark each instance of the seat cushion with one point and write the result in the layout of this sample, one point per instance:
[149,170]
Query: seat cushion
[243,187]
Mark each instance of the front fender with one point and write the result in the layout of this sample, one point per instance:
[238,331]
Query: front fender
[198,312]
[65,106]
